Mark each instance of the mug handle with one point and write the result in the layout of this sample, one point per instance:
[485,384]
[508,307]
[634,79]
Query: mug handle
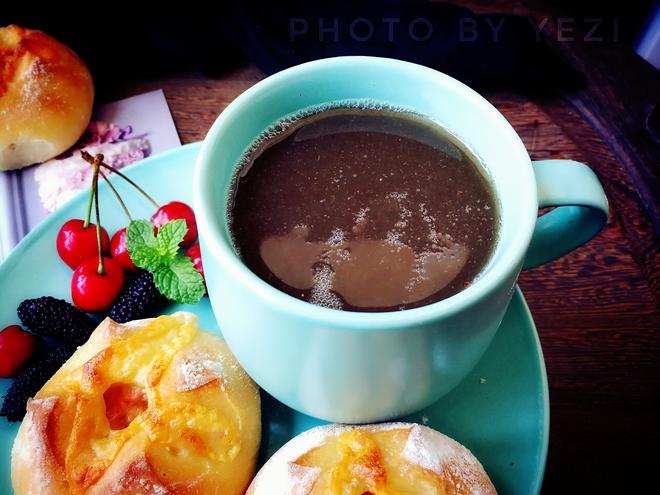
[581,209]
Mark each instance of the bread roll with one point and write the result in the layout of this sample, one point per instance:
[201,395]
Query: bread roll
[151,407]
[373,459]
[46,96]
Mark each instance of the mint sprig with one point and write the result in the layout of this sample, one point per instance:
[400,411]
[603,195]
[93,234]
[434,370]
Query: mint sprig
[174,274]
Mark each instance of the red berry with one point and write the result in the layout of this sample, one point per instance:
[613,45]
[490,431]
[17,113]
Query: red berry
[195,255]
[93,292]
[16,347]
[174,211]
[119,252]
[76,243]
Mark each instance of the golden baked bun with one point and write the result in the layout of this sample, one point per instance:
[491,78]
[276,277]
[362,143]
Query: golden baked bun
[150,407]
[383,459]
[46,96]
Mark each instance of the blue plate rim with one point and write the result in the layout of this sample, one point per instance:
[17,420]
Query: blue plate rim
[545,437]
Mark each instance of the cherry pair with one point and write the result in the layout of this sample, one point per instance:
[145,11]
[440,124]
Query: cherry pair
[98,279]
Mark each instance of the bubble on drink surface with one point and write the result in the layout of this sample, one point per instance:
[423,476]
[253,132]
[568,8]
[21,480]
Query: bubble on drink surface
[393,238]
[447,259]
[337,238]
[322,293]
[361,214]
[428,218]
[397,196]
[288,123]
[360,219]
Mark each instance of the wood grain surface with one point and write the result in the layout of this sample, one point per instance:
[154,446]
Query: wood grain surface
[596,309]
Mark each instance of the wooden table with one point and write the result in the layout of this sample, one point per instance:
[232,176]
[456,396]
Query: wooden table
[597,309]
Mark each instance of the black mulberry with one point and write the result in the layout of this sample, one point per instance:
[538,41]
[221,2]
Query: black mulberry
[30,380]
[140,299]
[48,316]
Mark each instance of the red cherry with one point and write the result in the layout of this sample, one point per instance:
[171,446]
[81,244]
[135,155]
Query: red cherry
[174,211]
[195,255]
[119,252]
[93,292]
[76,243]
[16,347]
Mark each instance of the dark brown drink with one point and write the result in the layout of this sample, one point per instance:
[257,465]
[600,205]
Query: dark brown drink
[364,210]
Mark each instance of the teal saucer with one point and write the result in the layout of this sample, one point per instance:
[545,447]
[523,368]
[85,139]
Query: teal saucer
[500,411]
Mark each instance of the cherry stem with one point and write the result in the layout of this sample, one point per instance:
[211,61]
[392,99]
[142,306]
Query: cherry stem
[89,158]
[142,191]
[121,201]
[95,186]
[89,205]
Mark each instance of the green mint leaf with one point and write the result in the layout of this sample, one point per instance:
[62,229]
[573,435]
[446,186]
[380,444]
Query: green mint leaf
[142,244]
[174,274]
[169,237]
[146,258]
[179,281]
[140,232]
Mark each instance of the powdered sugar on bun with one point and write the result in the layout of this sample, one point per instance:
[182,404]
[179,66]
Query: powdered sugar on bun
[46,96]
[390,456]
[436,452]
[195,373]
[138,477]
[33,448]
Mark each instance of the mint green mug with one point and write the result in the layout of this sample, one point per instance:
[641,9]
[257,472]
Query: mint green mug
[362,367]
